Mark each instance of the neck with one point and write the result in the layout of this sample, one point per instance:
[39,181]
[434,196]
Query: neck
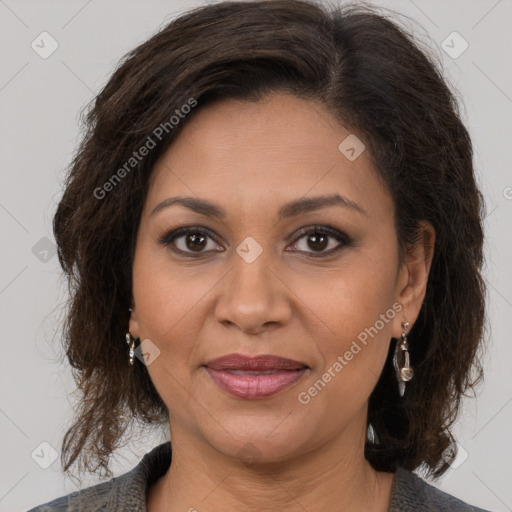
[334,475]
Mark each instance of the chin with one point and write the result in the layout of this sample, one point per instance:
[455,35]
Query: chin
[257,442]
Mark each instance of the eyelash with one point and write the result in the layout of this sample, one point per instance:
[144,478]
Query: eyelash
[168,238]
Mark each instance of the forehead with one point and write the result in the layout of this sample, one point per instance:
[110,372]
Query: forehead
[257,153]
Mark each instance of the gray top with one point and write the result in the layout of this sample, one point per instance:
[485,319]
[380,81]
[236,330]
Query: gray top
[127,492]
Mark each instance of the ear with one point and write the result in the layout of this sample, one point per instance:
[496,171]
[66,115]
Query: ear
[134,322]
[413,277]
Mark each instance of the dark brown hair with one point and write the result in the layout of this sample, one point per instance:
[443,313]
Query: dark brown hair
[375,78]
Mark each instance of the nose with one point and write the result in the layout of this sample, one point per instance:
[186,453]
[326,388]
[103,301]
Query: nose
[253,296]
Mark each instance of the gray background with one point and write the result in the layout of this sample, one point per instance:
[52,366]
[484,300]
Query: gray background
[40,100]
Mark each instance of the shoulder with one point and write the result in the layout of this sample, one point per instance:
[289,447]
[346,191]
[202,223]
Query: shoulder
[412,493]
[96,498]
[126,492]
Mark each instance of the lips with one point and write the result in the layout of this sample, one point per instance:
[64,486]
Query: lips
[254,377]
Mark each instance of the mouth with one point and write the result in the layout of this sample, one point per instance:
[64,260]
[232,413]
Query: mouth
[254,377]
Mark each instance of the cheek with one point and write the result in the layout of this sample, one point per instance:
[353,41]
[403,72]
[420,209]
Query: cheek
[356,317]
[352,297]
[170,302]
[164,293]
[167,305]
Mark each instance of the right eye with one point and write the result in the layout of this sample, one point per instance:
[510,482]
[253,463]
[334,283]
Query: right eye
[193,241]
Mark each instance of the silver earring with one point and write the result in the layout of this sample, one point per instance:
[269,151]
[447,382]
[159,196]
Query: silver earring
[131,342]
[370,434]
[403,373]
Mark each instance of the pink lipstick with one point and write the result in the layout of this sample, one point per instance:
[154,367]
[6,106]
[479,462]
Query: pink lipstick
[254,377]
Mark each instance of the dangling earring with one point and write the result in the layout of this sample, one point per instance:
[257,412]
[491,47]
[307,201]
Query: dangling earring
[404,373]
[131,342]
[370,434]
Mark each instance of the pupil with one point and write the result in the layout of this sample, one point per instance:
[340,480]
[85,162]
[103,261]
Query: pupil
[315,238]
[194,238]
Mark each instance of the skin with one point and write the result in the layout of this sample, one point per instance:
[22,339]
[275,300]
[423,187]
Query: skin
[250,159]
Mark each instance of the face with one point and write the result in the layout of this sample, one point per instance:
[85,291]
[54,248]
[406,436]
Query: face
[320,285]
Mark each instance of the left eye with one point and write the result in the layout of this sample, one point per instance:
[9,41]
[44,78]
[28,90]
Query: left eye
[317,238]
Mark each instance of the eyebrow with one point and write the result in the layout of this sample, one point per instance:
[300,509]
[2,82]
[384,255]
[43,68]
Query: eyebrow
[292,209]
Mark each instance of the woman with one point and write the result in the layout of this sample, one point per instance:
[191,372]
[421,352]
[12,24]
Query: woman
[273,238]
